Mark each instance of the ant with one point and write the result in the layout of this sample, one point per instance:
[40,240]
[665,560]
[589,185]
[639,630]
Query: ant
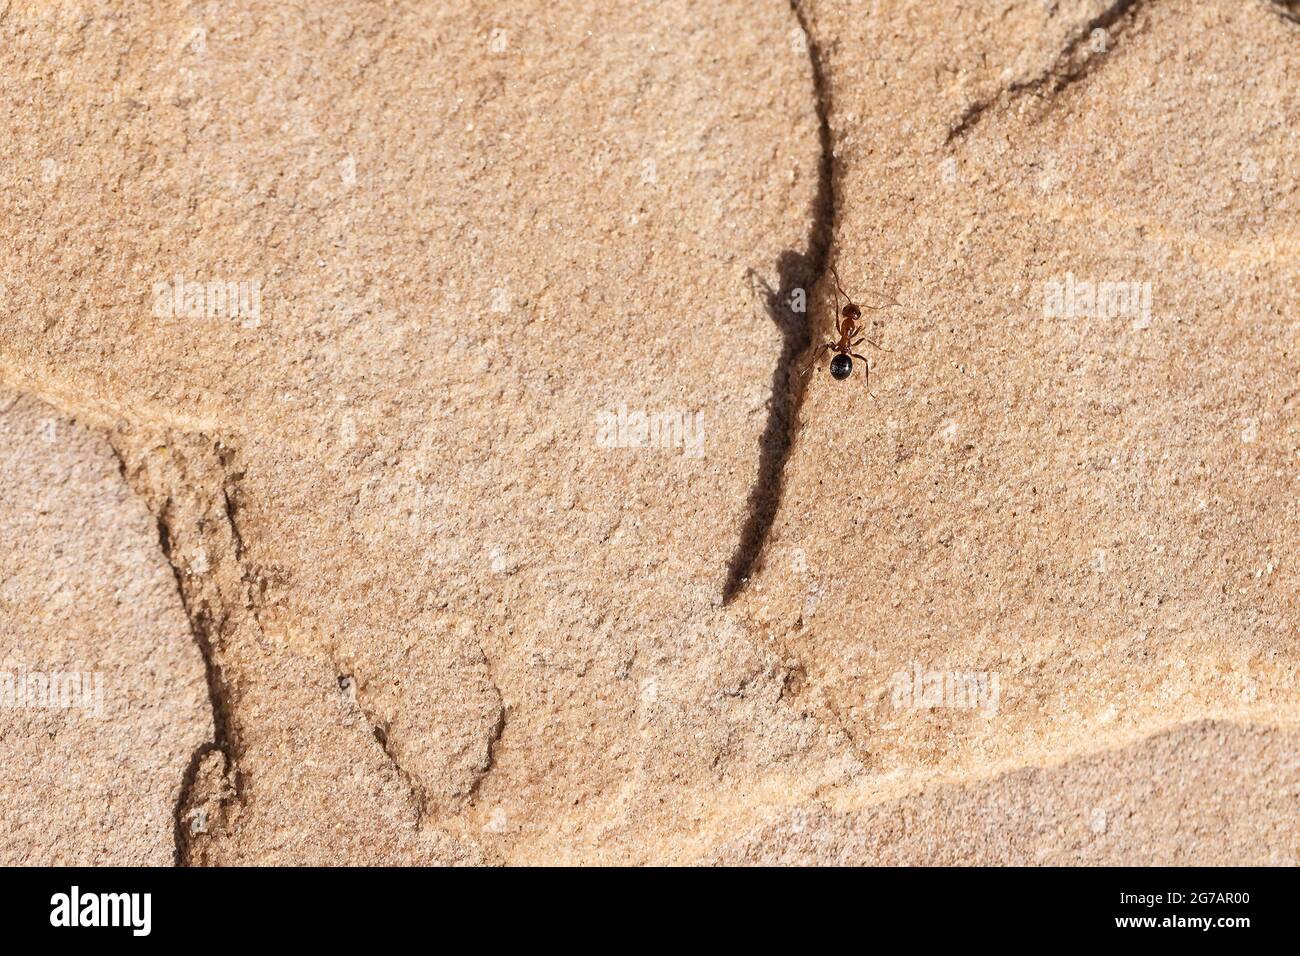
[847,325]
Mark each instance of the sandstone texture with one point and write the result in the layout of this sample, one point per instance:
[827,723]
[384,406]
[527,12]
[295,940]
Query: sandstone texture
[402,414]
[88,604]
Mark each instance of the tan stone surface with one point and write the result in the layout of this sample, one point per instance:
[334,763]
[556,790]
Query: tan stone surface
[1102,512]
[91,772]
[1219,793]
[442,623]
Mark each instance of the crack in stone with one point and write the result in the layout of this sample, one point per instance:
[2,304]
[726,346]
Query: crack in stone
[1286,9]
[212,615]
[382,730]
[1075,61]
[419,795]
[794,270]
[494,736]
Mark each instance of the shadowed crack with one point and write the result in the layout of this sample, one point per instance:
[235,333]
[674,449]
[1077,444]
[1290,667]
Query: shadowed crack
[1286,9]
[420,799]
[218,699]
[1075,61]
[494,735]
[795,270]
[213,614]
[419,795]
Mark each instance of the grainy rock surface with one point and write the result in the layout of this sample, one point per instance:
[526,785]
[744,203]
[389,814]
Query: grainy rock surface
[449,358]
[103,701]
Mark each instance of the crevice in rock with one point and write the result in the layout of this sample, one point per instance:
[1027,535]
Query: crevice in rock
[494,735]
[1075,61]
[201,627]
[213,617]
[381,729]
[419,796]
[1286,9]
[795,270]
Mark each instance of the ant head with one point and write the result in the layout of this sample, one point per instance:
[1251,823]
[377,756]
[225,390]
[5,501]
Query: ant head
[851,311]
[841,366]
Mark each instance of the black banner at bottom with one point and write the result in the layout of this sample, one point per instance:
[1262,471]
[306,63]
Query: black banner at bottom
[1219,907]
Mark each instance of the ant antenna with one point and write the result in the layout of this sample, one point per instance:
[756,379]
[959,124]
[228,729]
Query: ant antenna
[840,288]
[874,308]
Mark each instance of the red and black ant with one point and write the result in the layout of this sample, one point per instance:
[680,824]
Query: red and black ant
[847,325]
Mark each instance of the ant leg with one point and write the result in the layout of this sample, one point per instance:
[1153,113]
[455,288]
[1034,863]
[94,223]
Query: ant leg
[863,338]
[866,373]
[817,353]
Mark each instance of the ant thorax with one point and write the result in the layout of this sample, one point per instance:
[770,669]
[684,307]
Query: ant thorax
[848,328]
